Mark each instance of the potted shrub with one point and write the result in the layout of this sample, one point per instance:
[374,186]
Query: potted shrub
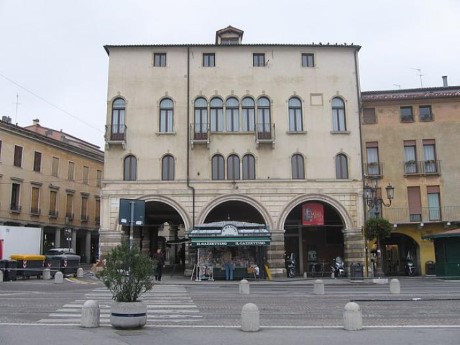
[378,229]
[127,274]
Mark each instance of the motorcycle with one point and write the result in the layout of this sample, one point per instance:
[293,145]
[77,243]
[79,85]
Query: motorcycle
[338,267]
[409,268]
[290,265]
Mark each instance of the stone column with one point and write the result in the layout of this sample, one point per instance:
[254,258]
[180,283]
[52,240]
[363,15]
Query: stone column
[74,240]
[57,238]
[88,246]
[354,248]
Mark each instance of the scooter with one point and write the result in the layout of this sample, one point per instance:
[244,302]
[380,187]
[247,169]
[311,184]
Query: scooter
[338,267]
[290,266]
[409,267]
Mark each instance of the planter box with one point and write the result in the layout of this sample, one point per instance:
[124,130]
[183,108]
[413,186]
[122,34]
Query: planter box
[128,315]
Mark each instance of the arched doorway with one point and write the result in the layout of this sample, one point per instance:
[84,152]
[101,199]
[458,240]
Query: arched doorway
[396,251]
[234,210]
[314,245]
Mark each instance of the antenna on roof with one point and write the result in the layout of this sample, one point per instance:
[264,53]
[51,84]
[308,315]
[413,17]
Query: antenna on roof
[419,70]
[17,106]
[398,85]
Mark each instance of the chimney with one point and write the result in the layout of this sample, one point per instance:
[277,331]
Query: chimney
[444,81]
[36,122]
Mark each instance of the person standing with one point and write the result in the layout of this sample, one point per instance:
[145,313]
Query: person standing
[158,258]
[228,264]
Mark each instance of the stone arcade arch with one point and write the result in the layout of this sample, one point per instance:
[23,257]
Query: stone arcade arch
[396,250]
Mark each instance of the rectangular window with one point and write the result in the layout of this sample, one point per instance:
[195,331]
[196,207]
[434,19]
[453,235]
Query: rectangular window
[308,60]
[209,60]
[17,156]
[410,157]
[258,60]
[97,211]
[415,204]
[53,204]
[34,205]
[15,195]
[84,208]
[69,207]
[434,203]
[369,116]
[406,114]
[71,172]
[372,155]
[85,175]
[99,178]
[159,59]
[55,167]
[429,151]
[37,161]
[425,113]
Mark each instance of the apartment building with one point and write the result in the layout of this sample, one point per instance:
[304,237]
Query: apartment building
[52,180]
[233,133]
[409,140]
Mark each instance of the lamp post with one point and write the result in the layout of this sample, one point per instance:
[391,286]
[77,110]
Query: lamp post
[68,235]
[375,201]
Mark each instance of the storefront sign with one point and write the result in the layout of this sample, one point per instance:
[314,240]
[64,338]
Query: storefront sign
[230,242]
[312,213]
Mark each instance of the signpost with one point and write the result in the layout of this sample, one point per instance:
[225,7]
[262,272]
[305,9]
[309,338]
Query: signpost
[131,212]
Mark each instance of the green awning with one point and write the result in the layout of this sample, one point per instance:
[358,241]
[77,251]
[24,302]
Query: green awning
[230,241]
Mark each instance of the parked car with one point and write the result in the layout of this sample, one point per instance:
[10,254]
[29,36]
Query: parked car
[62,259]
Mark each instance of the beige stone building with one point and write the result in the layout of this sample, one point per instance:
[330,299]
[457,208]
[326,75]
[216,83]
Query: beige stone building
[52,180]
[409,140]
[237,132]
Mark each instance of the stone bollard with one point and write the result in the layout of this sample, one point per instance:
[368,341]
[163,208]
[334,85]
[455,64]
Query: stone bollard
[352,317]
[90,314]
[80,272]
[244,287]
[250,321]
[46,274]
[318,287]
[395,287]
[1,276]
[58,278]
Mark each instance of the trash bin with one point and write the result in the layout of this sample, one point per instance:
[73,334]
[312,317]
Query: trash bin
[356,271]
[3,266]
[430,268]
[62,259]
[29,265]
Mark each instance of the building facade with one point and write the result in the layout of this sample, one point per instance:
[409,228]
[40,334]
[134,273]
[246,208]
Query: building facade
[409,141]
[51,180]
[237,132]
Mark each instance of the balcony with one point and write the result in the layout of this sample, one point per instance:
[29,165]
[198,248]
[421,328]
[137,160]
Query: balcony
[69,217]
[374,169]
[15,208]
[115,134]
[84,218]
[35,211]
[265,133]
[425,215]
[417,168]
[53,214]
[199,134]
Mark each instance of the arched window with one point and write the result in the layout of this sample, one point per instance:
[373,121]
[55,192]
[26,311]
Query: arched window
[201,119]
[248,109]
[166,116]
[263,118]
[338,115]
[217,115]
[297,165]
[218,167]
[233,167]
[249,167]
[295,115]
[167,168]
[341,166]
[232,114]
[118,120]
[130,168]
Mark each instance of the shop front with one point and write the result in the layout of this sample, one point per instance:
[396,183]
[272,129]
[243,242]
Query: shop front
[221,247]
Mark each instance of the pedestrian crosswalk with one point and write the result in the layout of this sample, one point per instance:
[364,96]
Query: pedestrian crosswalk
[166,304]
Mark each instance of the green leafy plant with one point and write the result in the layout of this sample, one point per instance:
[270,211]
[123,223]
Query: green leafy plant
[377,229]
[127,273]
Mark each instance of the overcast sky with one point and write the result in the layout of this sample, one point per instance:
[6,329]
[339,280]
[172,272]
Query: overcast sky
[52,55]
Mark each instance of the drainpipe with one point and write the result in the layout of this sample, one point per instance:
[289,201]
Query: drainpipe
[188,138]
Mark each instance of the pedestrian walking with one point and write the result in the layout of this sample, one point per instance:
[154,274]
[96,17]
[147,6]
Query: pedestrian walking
[159,262]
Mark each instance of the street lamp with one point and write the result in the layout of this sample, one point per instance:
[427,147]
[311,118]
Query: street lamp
[68,235]
[375,201]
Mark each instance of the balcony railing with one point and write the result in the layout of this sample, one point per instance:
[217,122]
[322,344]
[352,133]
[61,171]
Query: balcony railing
[35,211]
[265,133]
[15,208]
[429,167]
[53,214]
[84,218]
[373,169]
[199,133]
[115,133]
[69,217]
[425,215]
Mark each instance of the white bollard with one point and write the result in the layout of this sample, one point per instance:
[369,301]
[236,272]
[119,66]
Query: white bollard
[1,276]
[250,321]
[352,317]
[318,287]
[395,286]
[46,274]
[244,287]
[80,272]
[90,314]
[58,278]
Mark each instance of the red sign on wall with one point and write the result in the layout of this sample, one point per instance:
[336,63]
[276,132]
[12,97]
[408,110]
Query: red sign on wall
[312,213]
